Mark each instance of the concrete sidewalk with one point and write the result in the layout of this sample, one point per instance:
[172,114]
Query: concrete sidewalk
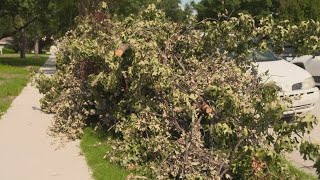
[26,151]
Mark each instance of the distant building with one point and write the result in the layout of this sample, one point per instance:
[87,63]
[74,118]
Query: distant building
[4,42]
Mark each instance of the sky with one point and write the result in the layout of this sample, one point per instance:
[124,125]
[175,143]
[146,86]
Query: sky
[187,1]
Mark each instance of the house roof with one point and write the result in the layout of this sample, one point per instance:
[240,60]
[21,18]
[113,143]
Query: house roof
[7,40]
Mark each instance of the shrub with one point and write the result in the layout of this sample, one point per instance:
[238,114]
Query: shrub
[8,51]
[176,104]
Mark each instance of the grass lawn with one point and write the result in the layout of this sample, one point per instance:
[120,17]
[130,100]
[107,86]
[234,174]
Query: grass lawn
[14,76]
[300,173]
[94,147]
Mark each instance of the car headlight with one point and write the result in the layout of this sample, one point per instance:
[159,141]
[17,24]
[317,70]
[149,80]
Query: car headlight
[308,83]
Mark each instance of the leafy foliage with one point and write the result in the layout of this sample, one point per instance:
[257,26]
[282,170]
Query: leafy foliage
[178,106]
[125,8]
[293,10]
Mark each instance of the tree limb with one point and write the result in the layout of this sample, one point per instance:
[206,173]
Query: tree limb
[121,50]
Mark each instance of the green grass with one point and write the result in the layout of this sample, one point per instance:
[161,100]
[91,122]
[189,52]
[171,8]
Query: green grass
[293,170]
[14,76]
[300,173]
[94,147]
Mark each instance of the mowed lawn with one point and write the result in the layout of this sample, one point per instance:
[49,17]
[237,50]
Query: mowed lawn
[94,146]
[15,75]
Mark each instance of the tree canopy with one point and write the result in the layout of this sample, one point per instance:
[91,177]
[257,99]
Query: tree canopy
[16,15]
[293,10]
[56,17]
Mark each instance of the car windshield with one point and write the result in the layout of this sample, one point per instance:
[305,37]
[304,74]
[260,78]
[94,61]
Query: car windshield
[265,56]
[259,56]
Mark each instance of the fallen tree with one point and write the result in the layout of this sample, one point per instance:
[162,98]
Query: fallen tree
[176,105]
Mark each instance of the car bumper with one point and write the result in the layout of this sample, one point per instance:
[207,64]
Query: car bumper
[305,103]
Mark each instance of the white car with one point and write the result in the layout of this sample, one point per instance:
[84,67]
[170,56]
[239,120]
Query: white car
[309,63]
[293,80]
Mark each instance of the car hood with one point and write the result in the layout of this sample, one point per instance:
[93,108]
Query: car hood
[283,73]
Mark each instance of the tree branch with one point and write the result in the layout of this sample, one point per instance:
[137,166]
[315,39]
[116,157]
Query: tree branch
[121,50]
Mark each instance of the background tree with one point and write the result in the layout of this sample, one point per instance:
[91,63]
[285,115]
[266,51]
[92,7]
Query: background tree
[123,8]
[299,10]
[31,20]
[212,8]
[58,19]
[293,10]
[17,16]
[259,8]
[173,10]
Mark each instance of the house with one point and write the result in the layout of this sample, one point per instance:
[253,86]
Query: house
[4,42]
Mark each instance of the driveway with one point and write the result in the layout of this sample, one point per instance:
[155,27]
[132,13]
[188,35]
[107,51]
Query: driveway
[295,157]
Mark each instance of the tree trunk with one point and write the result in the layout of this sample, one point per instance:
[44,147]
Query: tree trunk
[86,7]
[40,49]
[36,45]
[83,7]
[23,44]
